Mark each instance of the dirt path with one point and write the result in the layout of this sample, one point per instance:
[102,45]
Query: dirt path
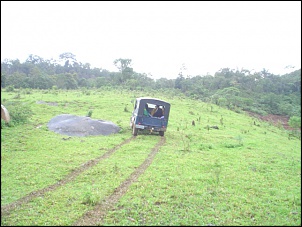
[9,207]
[274,119]
[96,216]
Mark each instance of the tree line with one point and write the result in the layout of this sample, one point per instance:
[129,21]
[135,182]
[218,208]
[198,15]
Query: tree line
[258,92]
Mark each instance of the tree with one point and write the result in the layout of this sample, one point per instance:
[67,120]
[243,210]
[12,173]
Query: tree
[126,72]
[3,80]
[122,64]
[34,59]
[178,81]
[17,80]
[68,59]
[294,122]
[67,81]
[67,55]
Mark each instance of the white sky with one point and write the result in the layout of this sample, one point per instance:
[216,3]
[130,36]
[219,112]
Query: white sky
[159,37]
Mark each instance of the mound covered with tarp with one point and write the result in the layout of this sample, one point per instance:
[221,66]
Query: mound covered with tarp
[72,125]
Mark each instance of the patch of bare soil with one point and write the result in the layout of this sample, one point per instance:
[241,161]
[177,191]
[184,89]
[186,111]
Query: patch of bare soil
[72,125]
[96,216]
[274,119]
[39,193]
[47,103]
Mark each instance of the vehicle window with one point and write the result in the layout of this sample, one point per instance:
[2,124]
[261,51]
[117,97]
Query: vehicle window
[151,105]
[158,111]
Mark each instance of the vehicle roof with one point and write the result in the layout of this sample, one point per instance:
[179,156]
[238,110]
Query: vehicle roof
[150,98]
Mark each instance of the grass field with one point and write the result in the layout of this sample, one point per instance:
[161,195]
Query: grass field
[247,172]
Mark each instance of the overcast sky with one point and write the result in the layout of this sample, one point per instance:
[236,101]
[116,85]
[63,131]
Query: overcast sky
[161,38]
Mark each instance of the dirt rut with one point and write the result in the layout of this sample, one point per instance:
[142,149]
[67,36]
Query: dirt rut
[9,207]
[95,217]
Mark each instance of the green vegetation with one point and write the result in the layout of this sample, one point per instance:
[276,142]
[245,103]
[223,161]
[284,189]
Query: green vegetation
[241,172]
[258,92]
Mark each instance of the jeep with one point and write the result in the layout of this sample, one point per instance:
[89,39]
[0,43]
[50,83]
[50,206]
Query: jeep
[150,114]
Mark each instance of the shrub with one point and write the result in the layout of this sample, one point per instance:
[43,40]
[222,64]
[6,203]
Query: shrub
[10,88]
[126,109]
[19,112]
[89,113]
[295,122]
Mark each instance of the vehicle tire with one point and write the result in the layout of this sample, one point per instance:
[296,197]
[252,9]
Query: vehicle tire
[161,133]
[134,130]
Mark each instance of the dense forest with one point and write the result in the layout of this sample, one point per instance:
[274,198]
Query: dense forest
[258,92]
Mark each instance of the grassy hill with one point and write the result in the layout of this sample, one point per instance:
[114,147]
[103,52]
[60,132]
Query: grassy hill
[246,172]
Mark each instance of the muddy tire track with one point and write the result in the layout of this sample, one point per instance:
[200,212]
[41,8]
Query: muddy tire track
[6,209]
[95,217]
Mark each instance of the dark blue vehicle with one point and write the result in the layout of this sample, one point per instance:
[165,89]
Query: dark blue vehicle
[150,114]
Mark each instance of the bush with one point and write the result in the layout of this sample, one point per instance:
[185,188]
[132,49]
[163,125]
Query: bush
[89,114]
[19,112]
[10,88]
[295,122]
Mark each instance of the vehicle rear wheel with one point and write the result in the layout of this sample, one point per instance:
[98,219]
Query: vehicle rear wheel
[161,133]
[134,130]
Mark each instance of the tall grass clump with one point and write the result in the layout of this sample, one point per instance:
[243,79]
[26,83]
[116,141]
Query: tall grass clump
[89,114]
[19,112]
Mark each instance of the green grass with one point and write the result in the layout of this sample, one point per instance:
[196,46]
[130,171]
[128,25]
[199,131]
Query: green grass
[239,174]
